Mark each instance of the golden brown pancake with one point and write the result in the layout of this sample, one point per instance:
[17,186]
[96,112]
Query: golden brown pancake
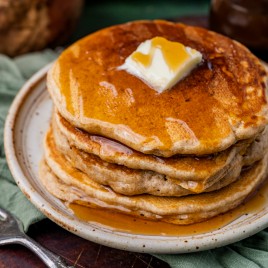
[222,101]
[130,172]
[72,185]
[133,181]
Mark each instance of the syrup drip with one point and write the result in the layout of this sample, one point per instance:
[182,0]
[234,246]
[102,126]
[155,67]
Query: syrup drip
[174,53]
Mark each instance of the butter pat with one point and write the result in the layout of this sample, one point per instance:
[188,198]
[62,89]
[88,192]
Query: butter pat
[161,63]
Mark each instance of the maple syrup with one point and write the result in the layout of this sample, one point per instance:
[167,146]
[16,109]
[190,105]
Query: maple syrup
[174,53]
[126,223]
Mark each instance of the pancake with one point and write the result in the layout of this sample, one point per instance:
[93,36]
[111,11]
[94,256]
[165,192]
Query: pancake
[72,185]
[221,102]
[131,181]
[146,173]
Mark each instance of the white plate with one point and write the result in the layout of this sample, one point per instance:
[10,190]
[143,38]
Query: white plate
[28,120]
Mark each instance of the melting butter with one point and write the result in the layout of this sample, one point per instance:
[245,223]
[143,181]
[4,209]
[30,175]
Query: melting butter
[161,63]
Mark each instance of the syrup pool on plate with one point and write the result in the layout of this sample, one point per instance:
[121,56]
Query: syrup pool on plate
[125,223]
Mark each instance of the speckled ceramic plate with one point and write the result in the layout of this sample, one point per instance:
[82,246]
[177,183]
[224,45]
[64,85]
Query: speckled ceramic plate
[28,120]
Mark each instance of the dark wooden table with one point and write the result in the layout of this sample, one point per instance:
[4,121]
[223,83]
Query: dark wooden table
[77,251]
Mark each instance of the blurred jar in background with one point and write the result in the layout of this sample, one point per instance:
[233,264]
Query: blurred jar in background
[243,20]
[30,25]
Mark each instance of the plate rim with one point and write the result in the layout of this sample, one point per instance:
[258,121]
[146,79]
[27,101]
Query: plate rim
[132,242]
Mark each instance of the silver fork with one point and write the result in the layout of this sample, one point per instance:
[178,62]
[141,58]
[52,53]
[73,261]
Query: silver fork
[11,232]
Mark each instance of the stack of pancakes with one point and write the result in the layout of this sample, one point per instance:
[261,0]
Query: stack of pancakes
[182,156]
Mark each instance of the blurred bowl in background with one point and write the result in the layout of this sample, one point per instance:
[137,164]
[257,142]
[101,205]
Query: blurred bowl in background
[31,25]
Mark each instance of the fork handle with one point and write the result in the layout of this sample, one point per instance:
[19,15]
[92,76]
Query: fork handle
[49,258]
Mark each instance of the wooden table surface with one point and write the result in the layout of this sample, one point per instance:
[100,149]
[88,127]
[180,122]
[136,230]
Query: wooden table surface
[75,250]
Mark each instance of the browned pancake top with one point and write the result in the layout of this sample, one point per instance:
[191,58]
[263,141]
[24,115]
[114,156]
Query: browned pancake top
[226,90]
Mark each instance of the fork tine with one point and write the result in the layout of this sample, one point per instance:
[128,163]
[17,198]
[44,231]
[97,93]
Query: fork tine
[2,217]
[5,214]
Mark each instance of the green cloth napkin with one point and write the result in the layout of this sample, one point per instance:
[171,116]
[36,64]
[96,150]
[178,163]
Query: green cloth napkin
[251,252]
[13,74]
